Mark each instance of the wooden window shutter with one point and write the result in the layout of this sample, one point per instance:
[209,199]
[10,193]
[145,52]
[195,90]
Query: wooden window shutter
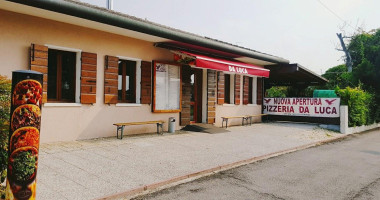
[39,63]
[111,71]
[220,88]
[237,89]
[88,78]
[246,90]
[259,91]
[146,82]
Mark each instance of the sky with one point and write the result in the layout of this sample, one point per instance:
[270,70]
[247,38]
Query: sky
[302,31]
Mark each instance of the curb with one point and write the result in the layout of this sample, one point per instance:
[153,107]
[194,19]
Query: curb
[146,189]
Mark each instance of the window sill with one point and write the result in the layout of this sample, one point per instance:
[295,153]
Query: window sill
[252,105]
[229,105]
[128,105]
[62,104]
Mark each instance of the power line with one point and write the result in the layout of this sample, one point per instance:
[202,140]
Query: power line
[336,15]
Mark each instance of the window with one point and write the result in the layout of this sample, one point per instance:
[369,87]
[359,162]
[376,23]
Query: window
[62,76]
[127,81]
[229,88]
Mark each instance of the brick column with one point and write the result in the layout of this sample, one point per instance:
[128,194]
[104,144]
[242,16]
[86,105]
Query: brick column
[219,80]
[237,89]
[211,96]
[246,90]
[186,95]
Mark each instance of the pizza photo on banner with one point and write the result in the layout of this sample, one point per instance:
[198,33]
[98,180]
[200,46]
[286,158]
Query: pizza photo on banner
[24,135]
[308,107]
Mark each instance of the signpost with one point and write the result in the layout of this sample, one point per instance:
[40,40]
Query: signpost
[24,135]
[308,107]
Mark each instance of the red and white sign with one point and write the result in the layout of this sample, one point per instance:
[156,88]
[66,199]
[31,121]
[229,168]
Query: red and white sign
[225,65]
[310,107]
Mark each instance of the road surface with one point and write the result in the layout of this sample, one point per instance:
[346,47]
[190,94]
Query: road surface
[346,169]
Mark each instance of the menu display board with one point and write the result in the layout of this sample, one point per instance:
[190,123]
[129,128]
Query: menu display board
[167,87]
[24,135]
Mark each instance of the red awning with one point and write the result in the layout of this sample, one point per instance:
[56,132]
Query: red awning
[223,65]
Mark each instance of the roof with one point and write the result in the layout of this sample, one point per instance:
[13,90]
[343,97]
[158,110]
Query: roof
[91,16]
[160,25]
[293,75]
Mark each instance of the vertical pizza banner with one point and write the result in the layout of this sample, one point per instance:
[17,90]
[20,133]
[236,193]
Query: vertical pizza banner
[24,135]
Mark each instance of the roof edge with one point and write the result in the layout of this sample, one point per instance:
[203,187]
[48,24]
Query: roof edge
[114,19]
[311,72]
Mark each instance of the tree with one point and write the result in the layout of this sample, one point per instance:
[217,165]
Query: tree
[364,49]
[338,77]
[365,52]
[345,50]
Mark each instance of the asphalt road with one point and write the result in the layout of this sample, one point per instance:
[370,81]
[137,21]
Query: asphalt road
[346,169]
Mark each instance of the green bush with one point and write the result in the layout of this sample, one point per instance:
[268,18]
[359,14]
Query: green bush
[5,99]
[277,91]
[338,77]
[359,105]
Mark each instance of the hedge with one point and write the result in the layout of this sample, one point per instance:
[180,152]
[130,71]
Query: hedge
[5,99]
[361,105]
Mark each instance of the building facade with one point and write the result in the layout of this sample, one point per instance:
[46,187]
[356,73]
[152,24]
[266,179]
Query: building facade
[97,73]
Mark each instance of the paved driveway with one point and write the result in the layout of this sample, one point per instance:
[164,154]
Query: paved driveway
[91,169]
[344,170]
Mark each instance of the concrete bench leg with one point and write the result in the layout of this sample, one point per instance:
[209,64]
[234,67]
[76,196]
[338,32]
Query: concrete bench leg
[246,120]
[158,128]
[117,131]
[225,120]
[121,128]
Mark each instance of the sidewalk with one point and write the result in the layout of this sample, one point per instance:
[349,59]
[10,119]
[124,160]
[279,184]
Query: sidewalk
[92,169]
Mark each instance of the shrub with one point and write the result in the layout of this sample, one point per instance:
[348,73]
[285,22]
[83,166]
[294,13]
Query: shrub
[5,99]
[277,91]
[359,105]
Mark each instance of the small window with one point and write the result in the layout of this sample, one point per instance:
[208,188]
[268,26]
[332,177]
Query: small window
[127,81]
[227,88]
[62,76]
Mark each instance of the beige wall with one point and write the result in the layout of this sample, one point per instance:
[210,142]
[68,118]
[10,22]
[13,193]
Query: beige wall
[227,110]
[87,121]
[236,110]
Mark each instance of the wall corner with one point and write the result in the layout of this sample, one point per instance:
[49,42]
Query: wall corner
[344,119]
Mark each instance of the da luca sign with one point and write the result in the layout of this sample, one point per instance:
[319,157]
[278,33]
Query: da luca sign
[240,70]
[310,107]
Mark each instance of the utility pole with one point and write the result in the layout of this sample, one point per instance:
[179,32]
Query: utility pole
[110,4]
[348,56]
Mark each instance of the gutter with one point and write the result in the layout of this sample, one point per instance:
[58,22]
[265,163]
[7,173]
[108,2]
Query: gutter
[107,17]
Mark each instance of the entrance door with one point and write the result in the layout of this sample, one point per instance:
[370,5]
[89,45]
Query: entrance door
[196,96]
